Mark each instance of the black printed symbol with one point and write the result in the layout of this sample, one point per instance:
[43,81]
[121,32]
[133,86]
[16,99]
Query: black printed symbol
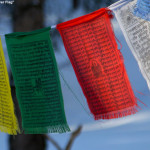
[37,86]
[129,19]
[96,68]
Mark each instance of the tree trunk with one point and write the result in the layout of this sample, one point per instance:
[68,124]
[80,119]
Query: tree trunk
[27,16]
[75,4]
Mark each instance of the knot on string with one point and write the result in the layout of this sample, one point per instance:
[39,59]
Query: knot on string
[111,16]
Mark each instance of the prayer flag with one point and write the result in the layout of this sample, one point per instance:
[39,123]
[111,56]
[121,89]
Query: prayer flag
[37,81]
[92,49]
[137,35]
[8,120]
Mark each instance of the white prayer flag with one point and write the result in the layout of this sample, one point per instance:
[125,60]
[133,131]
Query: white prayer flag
[137,35]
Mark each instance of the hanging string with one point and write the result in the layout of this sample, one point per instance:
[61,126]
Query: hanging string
[119,4]
[141,94]
[74,94]
[84,105]
[53,27]
[111,7]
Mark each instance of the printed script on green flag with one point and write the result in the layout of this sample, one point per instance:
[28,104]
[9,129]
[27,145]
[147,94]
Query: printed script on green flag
[37,82]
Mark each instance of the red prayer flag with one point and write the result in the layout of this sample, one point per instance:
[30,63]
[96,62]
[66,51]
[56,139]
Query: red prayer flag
[92,49]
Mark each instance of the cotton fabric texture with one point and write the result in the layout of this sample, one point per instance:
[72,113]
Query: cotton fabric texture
[92,49]
[8,120]
[142,9]
[37,82]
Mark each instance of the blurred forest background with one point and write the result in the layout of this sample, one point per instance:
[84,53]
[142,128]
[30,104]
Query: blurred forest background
[28,15]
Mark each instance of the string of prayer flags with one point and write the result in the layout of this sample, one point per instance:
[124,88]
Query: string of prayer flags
[142,9]
[8,120]
[137,35]
[37,81]
[92,49]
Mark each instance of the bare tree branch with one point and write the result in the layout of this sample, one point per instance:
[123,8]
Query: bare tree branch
[70,142]
[73,137]
[53,142]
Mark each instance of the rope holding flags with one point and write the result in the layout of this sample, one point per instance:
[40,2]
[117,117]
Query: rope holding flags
[90,44]
[37,82]
[8,121]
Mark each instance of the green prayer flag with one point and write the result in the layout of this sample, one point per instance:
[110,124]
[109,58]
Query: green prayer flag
[37,81]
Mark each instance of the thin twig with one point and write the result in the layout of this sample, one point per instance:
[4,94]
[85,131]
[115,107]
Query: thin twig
[53,142]
[73,137]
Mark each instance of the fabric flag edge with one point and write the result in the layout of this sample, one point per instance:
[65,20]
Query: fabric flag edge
[11,131]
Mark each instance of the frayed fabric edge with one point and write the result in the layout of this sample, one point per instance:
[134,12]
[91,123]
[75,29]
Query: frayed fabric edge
[118,114]
[50,129]
[11,131]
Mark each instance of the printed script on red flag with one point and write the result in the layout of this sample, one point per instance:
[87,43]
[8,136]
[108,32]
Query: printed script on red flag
[92,49]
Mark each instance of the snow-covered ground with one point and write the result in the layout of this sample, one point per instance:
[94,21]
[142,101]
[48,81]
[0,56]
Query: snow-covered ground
[132,132]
